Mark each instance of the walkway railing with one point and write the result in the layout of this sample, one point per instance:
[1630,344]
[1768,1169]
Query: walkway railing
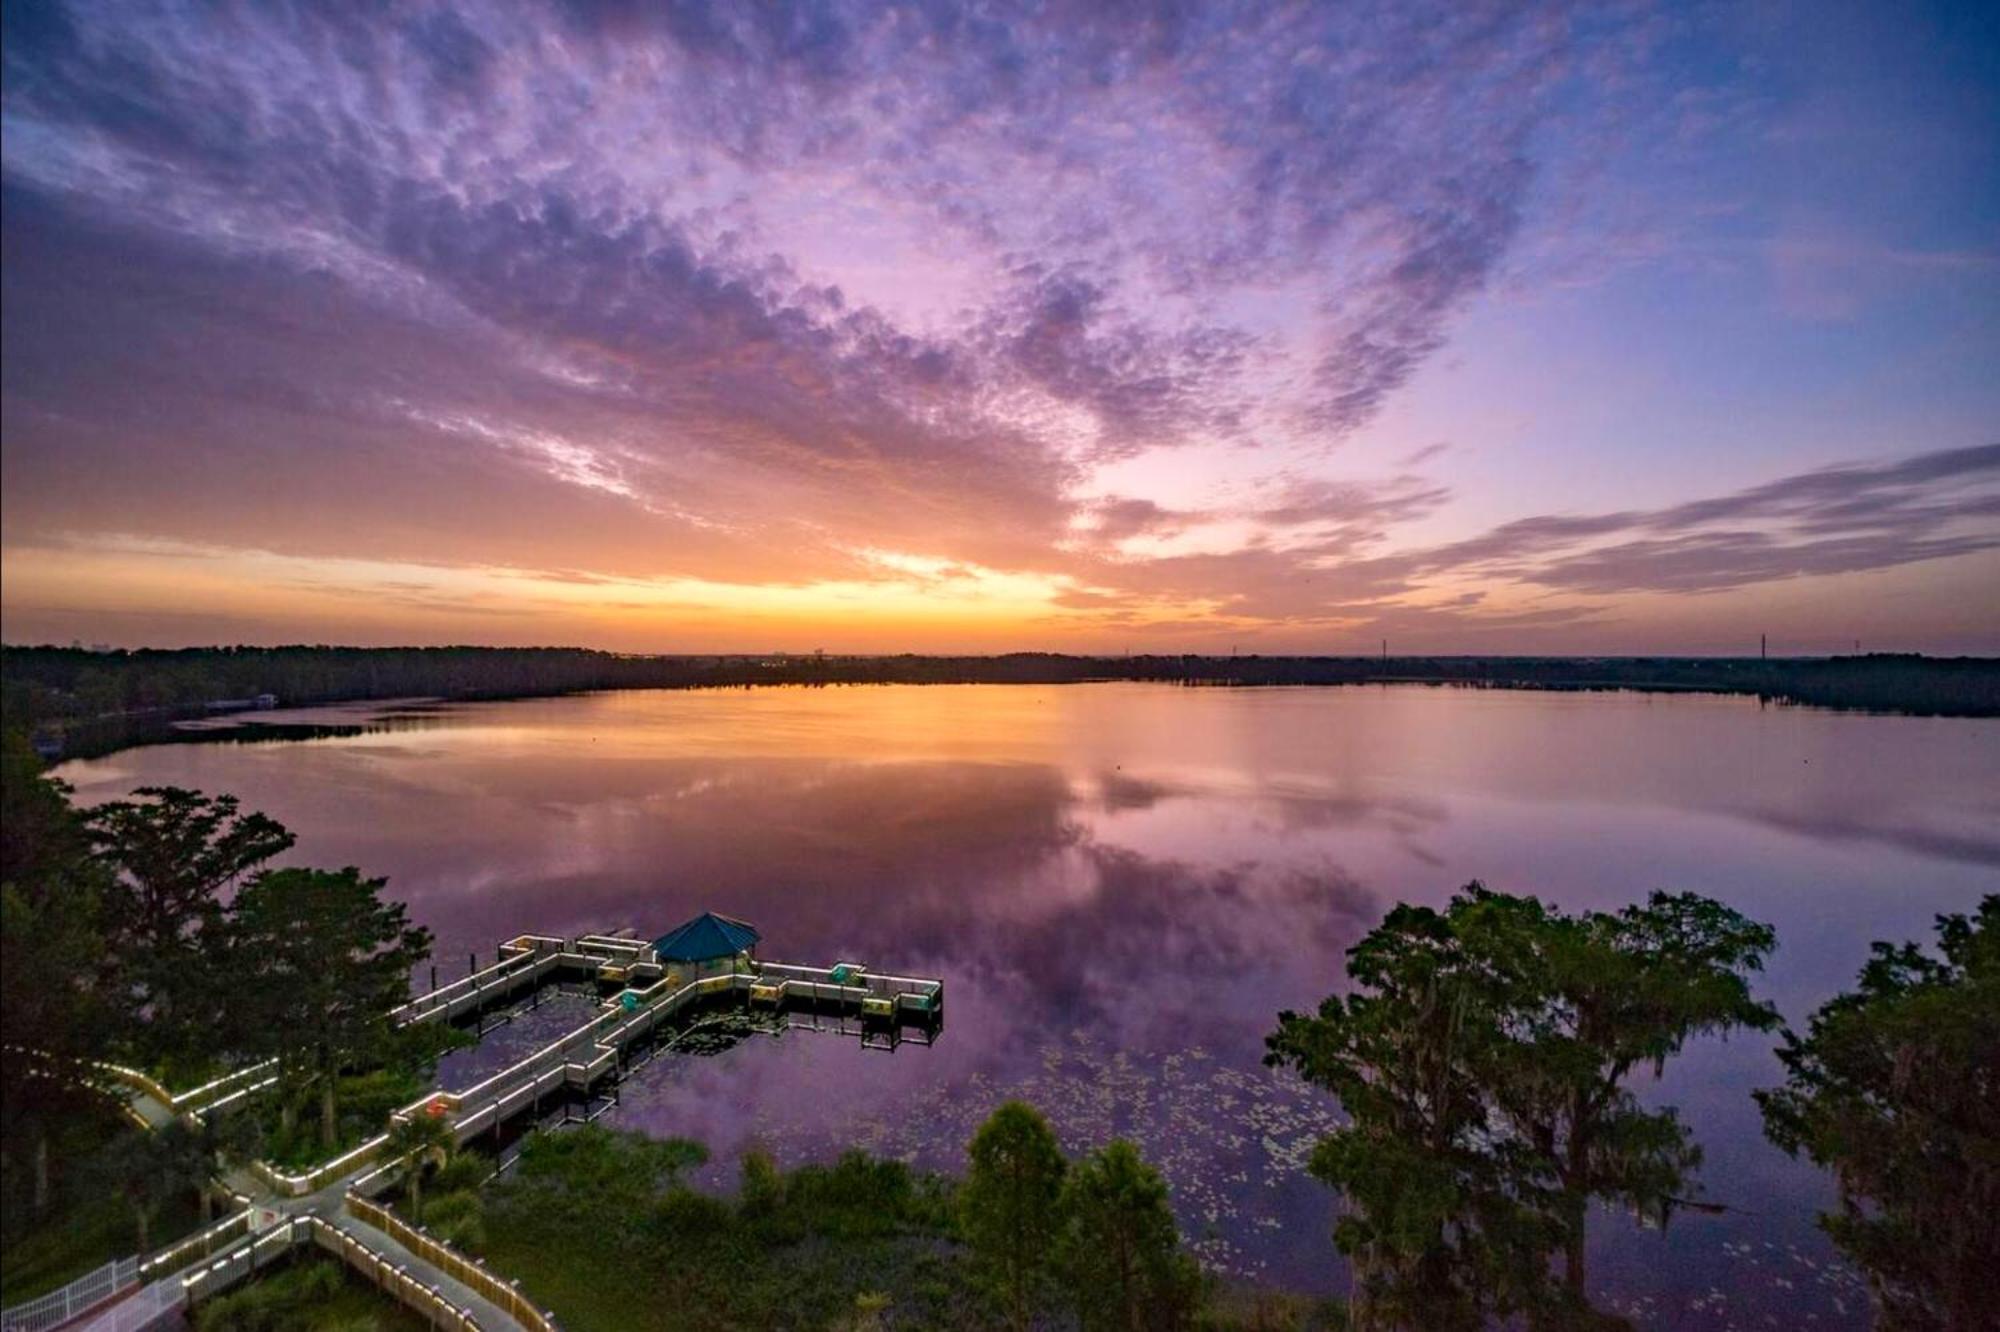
[414,1293]
[426,1300]
[453,1264]
[121,1274]
[156,1308]
[85,1293]
[312,1181]
[197,1246]
[209,1096]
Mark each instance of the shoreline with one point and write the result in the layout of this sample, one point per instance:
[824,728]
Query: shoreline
[79,704]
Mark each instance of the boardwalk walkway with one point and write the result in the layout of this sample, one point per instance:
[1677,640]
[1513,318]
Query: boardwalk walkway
[330,1206]
[244,1242]
[485,1313]
[379,1256]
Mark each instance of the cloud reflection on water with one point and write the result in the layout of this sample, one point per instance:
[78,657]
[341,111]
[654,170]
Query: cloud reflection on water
[1121,885]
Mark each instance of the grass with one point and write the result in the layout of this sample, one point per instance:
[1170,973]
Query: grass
[314,1294]
[599,1227]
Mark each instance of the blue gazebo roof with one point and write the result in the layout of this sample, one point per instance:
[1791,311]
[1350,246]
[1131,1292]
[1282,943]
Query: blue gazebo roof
[705,938]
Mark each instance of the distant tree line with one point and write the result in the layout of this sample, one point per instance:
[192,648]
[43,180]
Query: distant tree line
[51,688]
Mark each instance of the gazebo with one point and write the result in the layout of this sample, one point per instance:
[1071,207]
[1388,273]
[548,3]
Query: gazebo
[707,940]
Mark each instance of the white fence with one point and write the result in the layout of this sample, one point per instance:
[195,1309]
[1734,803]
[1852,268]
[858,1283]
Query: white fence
[154,1308]
[59,1306]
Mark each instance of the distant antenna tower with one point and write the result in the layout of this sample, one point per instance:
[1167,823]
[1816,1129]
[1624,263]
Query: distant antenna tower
[1763,647]
[1385,649]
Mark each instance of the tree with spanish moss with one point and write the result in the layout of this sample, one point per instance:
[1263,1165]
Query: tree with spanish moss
[1437,1227]
[1484,1061]
[1590,1000]
[1895,1086]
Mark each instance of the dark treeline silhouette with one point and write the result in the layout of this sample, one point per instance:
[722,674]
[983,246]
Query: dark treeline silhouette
[53,686]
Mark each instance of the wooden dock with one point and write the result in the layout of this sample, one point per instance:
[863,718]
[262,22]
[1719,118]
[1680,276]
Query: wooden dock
[649,997]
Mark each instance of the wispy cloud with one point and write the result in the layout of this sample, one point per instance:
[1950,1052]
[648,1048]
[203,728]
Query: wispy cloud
[789,295]
[1831,520]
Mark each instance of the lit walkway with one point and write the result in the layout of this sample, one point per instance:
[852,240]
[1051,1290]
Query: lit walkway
[278,1211]
[487,1314]
[160,1303]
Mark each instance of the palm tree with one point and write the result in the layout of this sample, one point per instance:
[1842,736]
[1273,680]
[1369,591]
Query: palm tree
[418,1141]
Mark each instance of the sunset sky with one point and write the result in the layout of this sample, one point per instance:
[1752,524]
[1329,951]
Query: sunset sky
[1090,326]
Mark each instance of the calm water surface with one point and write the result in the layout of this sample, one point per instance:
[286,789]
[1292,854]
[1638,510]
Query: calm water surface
[1122,885]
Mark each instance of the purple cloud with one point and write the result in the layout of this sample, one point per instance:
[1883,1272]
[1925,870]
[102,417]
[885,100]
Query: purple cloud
[757,293]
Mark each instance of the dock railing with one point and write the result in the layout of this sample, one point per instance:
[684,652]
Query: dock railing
[538,957]
[582,1056]
[615,947]
[904,992]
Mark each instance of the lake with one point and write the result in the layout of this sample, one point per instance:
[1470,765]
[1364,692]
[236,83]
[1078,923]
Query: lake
[1123,884]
